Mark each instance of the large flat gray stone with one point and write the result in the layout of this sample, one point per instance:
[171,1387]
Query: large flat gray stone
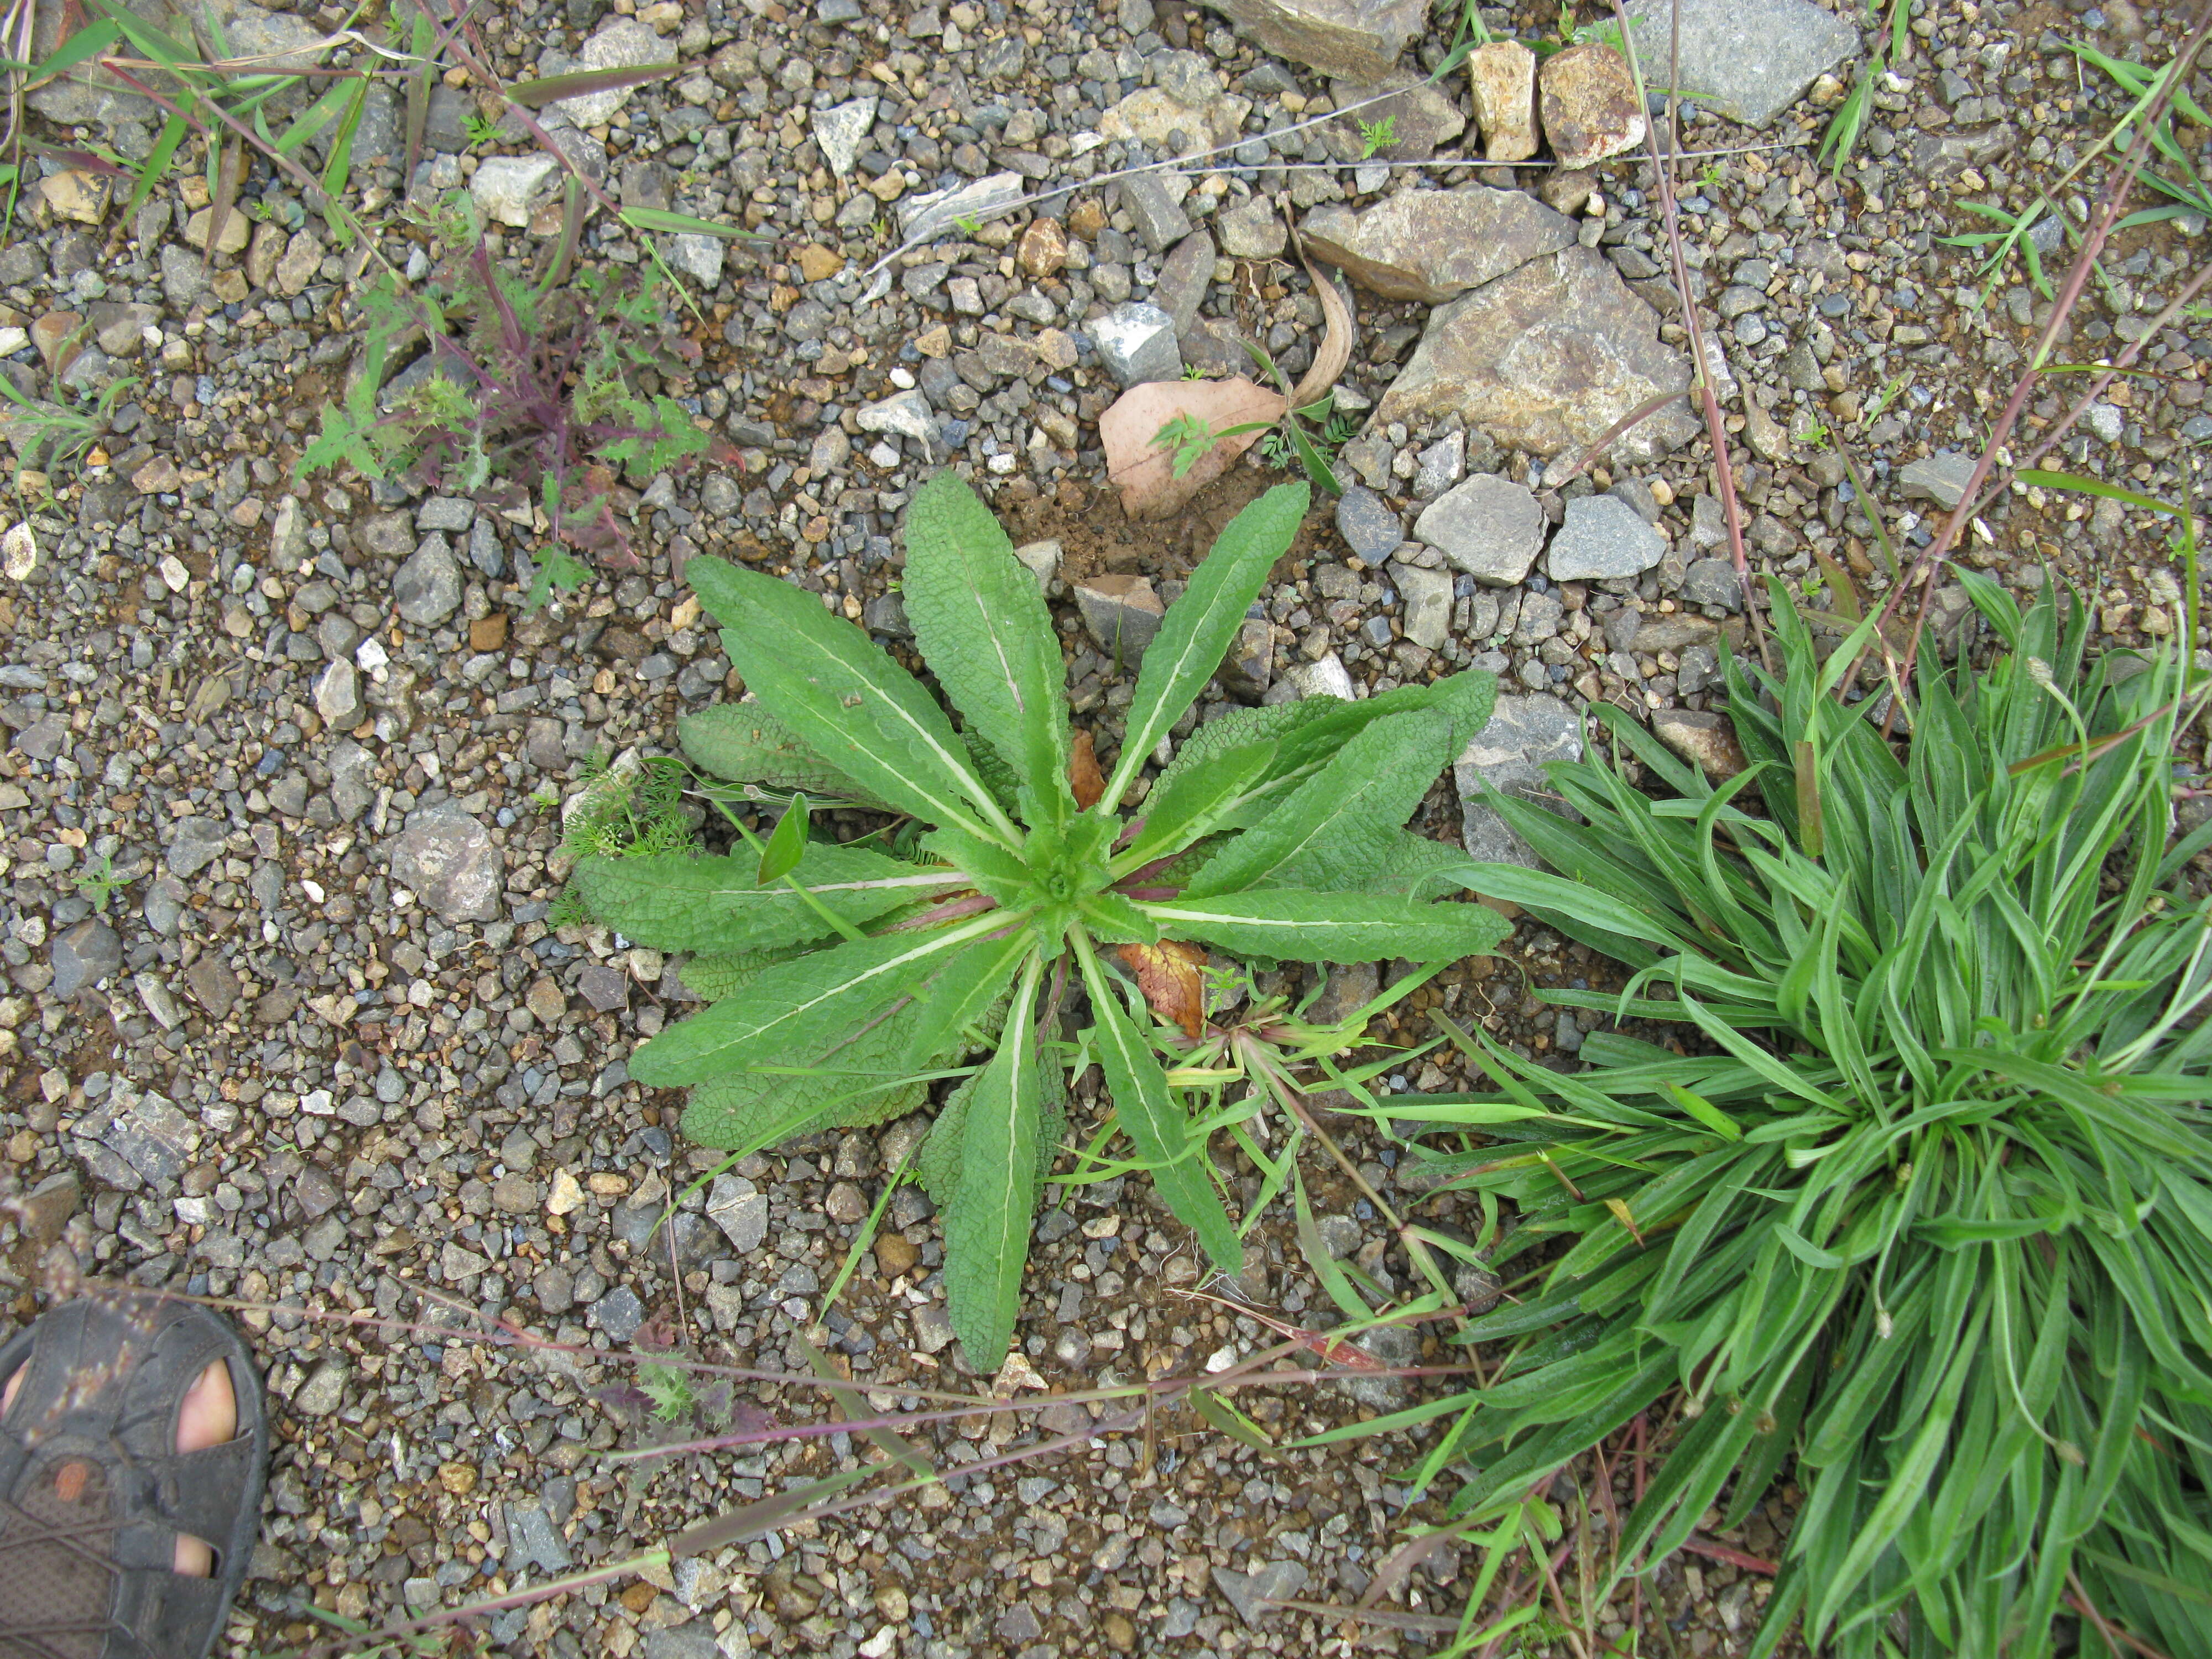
[1546,359]
[1748,59]
[1509,756]
[1434,245]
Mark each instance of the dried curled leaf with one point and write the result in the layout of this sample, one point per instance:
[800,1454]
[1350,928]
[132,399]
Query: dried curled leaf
[1144,471]
[1171,975]
[1083,777]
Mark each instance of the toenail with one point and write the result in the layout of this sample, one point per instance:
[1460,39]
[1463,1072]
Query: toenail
[69,1483]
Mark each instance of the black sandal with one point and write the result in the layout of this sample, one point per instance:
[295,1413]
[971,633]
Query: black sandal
[93,1494]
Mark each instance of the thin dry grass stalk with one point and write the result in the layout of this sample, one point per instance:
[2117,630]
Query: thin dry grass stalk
[1701,351]
[2111,203]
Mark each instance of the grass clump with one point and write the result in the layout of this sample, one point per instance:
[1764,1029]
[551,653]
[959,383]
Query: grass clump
[845,978]
[1930,1214]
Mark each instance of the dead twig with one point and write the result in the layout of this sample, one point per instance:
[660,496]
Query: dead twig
[1701,366]
[2111,204]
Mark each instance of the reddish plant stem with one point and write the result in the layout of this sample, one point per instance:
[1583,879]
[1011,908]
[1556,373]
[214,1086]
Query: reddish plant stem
[2114,198]
[2096,385]
[1734,1558]
[1701,370]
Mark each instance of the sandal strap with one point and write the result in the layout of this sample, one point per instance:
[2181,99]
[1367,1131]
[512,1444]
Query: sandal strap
[198,1492]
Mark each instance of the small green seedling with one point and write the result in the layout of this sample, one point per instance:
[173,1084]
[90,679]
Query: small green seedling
[969,226]
[481,132]
[1377,136]
[100,883]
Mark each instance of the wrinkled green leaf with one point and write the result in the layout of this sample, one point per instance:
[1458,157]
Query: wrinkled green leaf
[983,628]
[843,699]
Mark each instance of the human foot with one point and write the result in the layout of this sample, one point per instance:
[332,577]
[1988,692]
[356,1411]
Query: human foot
[207,1417]
[132,1448]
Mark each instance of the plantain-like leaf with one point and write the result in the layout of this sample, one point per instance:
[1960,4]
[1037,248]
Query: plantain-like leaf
[1294,924]
[676,902]
[743,742]
[1335,824]
[844,699]
[982,627]
[799,1006]
[986,1224]
[1159,1127]
[1195,634]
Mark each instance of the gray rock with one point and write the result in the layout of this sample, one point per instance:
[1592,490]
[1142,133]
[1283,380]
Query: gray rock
[164,906]
[1747,59]
[1275,1580]
[1428,596]
[511,188]
[906,413]
[1713,582]
[352,773]
[693,1641]
[324,1391]
[1250,668]
[1160,218]
[44,738]
[1440,466]
[1122,613]
[1708,521]
[337,695]
[1371,526]
[195,844]
[1547,358]
[1137,344]
[624,43]
[143,1139]
[1488,526]
[1941,477]
[1350,987]
[288,535]
[533,1540]
[1360,39]
[1327,678]
[1392,1346]
[618,1313]
[740,1212]
[450,862]
[1185,275]
[933,1328]
[426,589]
[1435,245]
[840,131]
[1042,559]
[83,955]
[922,217]
[1253,231]
[697,256]
[1507,755]
[1603,537]
[1421,117]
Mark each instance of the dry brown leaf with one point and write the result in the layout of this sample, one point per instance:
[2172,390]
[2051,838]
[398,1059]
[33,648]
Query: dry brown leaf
[1335,348]
[1083,777]
[1169,974]
[1144,474]
[1144,471]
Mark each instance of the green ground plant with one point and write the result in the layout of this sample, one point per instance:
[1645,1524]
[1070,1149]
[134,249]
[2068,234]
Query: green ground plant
[46,434]
[1929,1210]
[535,391]
[843,986]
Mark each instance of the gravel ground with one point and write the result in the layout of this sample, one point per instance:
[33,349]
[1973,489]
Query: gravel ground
[279,829]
